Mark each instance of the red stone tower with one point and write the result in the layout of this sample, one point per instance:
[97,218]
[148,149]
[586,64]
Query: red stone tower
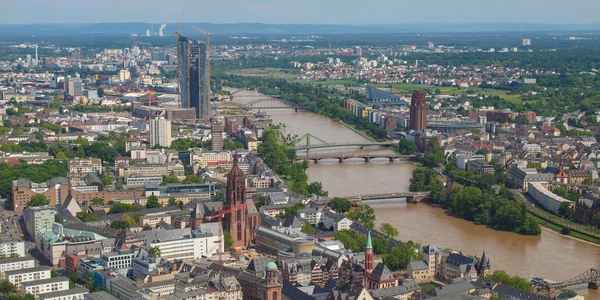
[418,111]
[236,221]
[272,286]
[369,257]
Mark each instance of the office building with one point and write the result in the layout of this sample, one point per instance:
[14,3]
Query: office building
[38,218]
[184,243]
[418,111]
[74,87]
[160,132]
[193,75]
[124,75]
[217,136]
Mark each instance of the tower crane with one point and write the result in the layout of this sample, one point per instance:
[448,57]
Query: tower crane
[208,35]
[219,217]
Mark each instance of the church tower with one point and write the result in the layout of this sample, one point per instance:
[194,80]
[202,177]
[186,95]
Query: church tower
[235,222]
[273,286]
[369,257]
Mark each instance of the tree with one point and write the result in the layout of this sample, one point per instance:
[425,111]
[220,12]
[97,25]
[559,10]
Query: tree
[85,217]
[434,155]
[340,205]
[97,201]
[388,230]
[58,218]
[308,228]
[292,210]
[152,202]
[37,200]
[61,155]
[100,92]
[381,245]
[127,218]
[118,207]
[172,201]
[405,147]
[53,273]
[154,251]
[316,188]
[512,281]
[119,224]
[401,255]
[565,209]
[192,178]
[228,241]
[219,195]
[7,288]
[363,214]
[147,227]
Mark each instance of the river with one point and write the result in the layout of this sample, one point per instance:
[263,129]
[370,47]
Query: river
[549,255]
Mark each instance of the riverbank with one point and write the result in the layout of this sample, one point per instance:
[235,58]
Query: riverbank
[366,136]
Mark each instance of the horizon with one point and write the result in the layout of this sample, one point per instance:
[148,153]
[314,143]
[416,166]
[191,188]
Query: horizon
[333,12]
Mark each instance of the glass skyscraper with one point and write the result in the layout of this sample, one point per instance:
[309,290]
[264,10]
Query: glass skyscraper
[193,76]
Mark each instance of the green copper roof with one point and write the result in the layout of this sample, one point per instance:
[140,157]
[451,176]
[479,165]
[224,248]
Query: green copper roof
[369,245]
[271,266]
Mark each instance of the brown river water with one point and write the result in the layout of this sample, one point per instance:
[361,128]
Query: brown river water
[549,255]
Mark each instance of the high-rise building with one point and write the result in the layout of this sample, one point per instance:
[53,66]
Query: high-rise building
[526,42]
[75,87]
[418,111]
[160,132]
[236,221]
[193,75]
[357,51]
[37,218]
[217,136]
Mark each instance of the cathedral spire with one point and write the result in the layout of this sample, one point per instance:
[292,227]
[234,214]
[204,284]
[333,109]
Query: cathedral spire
[369,244]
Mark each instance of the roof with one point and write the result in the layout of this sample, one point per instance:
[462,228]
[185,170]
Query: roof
[418,265]
[17,259]
[382,272]
[271,266]
[45,281]
[460,287]
[24,271]
[69,292]
[459,259]
[102,295]
[258,264]
[369,244]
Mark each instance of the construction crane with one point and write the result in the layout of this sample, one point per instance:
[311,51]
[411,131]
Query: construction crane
[219,217]
[208,35]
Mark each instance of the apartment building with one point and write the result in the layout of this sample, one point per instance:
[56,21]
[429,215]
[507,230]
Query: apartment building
[18,263]
[85,165]
[38,218]
[152,221]
[185,243]
[71,294]
[17,277]
[210,160]
[9,247]
[44,286]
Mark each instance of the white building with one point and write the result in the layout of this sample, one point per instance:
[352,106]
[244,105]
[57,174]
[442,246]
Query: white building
[335,222]
[118,260]
[44,286]
[210,160]
[17,277]
[10,247]
[16,264]
[71,294]
[183,243]
[532,148]
[312,215]
[160,132]
[38,218]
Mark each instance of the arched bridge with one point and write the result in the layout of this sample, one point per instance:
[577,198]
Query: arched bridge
[367,157]
[337,145]
[271,103]
[411,197]
[591,277]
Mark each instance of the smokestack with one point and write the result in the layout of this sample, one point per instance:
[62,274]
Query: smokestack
[160,30]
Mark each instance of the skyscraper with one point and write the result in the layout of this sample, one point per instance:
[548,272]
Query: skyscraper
[418,111]
[193,75]
[160,132]
[236,221]
[217,136]
[75,87]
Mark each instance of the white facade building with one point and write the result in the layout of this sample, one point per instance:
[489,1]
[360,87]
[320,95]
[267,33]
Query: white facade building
[17,277]
[183,243]
[39,287]
[8,248]
[16,264]
[160,132]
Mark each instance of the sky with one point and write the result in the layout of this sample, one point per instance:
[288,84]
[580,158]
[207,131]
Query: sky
[352,12]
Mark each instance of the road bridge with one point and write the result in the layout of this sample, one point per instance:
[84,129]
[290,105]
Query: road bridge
[339,145]
[367,157]
[411,197]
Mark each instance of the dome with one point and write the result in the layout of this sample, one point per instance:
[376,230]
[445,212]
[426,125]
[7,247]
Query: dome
[271,266]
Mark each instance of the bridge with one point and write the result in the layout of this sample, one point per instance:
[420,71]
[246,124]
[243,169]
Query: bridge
[591,277]
[411,197]
[269,102]
[337,145]
[367,157]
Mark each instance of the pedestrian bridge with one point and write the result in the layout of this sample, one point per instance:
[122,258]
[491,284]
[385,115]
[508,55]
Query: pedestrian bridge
[366,157]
